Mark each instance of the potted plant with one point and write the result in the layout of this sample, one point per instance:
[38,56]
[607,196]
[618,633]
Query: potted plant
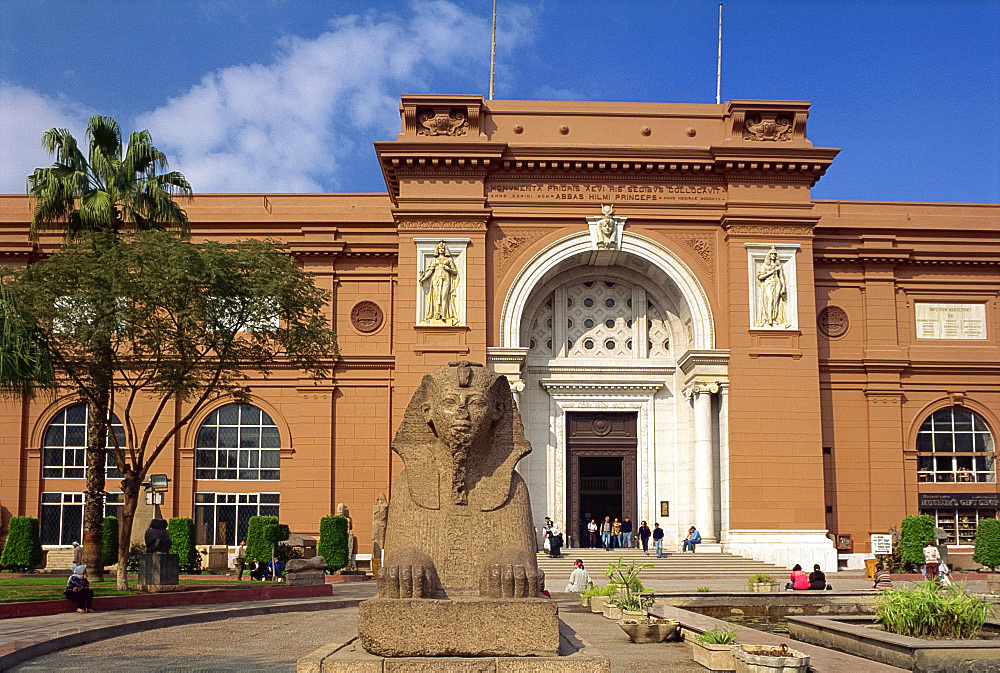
[762,583]
[769,659]
[713,649]
[632,600]
[597,596]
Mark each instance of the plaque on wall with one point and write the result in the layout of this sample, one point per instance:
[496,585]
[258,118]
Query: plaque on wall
[833,321]
[950,321]
[366,316]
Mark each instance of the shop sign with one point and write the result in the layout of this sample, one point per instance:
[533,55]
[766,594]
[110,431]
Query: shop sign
[959,500]
[881,543]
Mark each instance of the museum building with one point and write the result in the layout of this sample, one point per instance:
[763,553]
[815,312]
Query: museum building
[691,338]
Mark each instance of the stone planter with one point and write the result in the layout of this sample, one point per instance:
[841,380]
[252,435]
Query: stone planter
[763,587]
[993,582]
[636,617]
[612,611]
[584,601]
[640,632]
[597,604]
[769,659]
[711,656]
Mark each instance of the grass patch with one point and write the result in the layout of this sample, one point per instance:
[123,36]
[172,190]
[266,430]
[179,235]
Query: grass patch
[932,610]
[51,588]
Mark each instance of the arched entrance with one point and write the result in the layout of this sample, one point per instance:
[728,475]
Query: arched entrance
[628,335]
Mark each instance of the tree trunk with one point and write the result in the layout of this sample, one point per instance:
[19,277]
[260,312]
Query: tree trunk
[93,508]
[130,486]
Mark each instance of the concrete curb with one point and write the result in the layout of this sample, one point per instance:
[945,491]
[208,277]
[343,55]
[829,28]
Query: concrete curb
[18,652]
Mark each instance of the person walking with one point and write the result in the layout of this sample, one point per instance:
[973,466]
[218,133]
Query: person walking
[644,534]
[240,561]
[932,559]
[658,540]
[555,541]
[606,533]
[616,532]
[592,533]
[627,533]
[693,538]
[78,589]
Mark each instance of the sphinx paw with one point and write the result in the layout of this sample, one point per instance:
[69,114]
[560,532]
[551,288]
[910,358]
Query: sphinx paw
[404,581]
[511,580]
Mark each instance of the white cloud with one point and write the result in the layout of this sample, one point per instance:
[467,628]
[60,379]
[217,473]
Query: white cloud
[296,123]
[24,116]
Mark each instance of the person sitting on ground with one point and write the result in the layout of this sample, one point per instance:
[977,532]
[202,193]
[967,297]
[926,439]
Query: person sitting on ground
[693,538]
[274,569]
[257,570]
[883,578]
[579,579]
[78,589]
[800,581]
[817,579]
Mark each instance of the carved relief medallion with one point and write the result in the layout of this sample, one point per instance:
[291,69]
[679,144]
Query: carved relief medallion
[766,127]
[366,316]
[440,123]
[606,230]
[832,321]
[601,425]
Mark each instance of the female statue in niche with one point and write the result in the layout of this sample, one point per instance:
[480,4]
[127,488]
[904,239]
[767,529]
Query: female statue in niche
[773,292]
[441,278]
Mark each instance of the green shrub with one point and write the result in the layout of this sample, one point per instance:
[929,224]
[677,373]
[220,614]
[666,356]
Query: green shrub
[23,549]
[759,578]
[703,590]
[915,531]
[595,590]
[718,636]
[134,552]
[181,531]
[263,535]
[931,609]
[109,541]
[333,541]
[988,543]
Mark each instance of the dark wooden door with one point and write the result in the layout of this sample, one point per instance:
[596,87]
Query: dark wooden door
[601,474]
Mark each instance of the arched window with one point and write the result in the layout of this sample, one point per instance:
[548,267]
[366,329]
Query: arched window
[238,441]
[955,445]
[65,444]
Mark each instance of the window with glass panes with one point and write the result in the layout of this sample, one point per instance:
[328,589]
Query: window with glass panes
[64,445]
[222,518]
[959,525]
[238,441]
[955,445]
[62,516]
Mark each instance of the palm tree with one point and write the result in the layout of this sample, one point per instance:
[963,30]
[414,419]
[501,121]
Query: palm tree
[110,190]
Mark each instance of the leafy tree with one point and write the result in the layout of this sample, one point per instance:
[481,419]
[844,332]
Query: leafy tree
[23,548]
[24,365]
[109,190]
[176,322]
[263,535]
[915,531]
[987,543]
[333,541]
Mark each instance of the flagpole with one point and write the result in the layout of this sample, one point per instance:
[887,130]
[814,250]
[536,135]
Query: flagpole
[718,67]
[493,47]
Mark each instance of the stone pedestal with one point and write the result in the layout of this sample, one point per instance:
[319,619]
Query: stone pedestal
[474,627]
[158,572]
[305,578]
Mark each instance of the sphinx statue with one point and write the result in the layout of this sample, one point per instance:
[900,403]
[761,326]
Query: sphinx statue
[459,538]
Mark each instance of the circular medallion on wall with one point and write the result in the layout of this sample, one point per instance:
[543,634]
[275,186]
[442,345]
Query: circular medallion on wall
[601,425]
[366,316]
[832,321]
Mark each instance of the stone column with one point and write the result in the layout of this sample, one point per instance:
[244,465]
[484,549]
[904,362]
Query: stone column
[704,464]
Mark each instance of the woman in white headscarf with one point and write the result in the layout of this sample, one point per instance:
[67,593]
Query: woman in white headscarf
[78,589]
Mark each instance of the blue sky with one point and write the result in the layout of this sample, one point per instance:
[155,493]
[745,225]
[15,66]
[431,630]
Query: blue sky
[288,95]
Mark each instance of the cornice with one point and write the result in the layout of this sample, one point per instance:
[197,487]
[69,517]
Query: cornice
[694,358]
[592,371]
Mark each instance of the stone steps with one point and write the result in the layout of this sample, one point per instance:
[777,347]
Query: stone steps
[671,565]
[59,559]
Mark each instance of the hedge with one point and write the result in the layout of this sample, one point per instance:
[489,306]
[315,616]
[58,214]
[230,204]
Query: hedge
[333,542]
[109,541]
[181,531]
[914,534]
[263,533]
[988,543]
[23,549]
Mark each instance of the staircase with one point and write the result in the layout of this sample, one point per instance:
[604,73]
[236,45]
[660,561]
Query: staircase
[707,563]
[61,558]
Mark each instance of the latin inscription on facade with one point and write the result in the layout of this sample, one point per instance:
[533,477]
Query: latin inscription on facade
[603,192]
[951,321]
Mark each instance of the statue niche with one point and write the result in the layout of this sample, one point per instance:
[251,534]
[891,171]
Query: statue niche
[459,521]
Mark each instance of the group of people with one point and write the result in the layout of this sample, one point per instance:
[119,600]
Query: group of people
[261,572]
[815,581]
[552,538]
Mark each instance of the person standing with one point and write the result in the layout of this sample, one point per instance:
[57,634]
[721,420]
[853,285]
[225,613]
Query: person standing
[240,561]
[77,555]
[932,559]
[616,532]
[606,533]
[78,589]
[644,534]
[555,541]
[547,536]
[579,579]
[592,533]
[627,533]
[658,540]
[693,538]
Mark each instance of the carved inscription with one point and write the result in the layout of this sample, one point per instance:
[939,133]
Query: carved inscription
[951,321]
[604,192]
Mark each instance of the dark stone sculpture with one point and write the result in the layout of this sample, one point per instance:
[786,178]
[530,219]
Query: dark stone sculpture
[157,537]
